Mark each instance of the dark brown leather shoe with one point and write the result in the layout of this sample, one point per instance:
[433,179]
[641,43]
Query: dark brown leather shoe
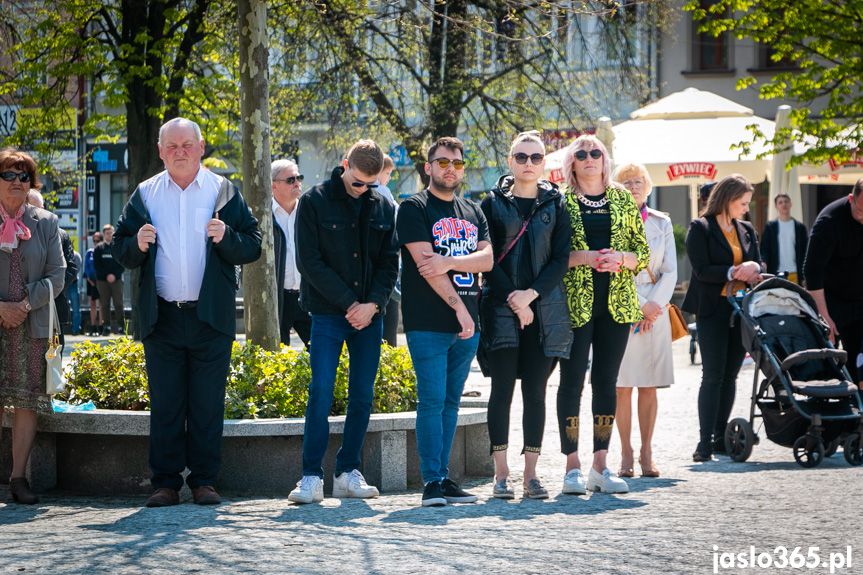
[163,497]
[206,495]
[21,492]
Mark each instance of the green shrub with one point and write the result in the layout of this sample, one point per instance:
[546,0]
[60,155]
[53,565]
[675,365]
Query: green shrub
[679,239]
[261,384]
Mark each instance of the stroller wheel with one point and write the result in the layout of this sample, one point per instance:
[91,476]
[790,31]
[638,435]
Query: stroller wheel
[854,450]
[809,450]
[739,439]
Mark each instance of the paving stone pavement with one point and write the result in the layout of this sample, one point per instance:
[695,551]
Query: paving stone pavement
[678,523]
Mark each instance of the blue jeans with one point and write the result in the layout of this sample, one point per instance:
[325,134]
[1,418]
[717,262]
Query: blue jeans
[442,363]
[75,299]
[329,333]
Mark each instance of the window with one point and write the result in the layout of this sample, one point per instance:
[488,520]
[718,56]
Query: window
[709,52]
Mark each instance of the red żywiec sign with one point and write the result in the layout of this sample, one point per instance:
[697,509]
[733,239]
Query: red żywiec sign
[855,162]
[692,169]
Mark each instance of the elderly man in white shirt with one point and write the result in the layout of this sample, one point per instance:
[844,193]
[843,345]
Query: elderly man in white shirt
[287,189]
[186,228]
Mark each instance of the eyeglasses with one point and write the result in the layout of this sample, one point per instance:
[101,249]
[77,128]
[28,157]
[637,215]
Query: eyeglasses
[521,158]
[637,183]
[361,184]
[581,155]
[23,177]
[292,179]
[444,163]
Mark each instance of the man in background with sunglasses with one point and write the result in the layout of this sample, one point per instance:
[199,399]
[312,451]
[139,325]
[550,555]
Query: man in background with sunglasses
[445,245]
[287,188]
[349,263]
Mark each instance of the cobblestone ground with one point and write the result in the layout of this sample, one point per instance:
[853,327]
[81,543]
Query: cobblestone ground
[678,523]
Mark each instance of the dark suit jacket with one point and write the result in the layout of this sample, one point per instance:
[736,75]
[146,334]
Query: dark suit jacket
[711,256]
[216,302]
[770,246]
[62,303]
[279,244]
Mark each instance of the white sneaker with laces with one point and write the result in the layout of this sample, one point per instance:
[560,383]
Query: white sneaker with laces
[605,482]
[353,484]
[310,488]
[573,482]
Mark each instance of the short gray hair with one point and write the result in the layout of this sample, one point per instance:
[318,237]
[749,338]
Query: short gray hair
[34,198]
[184,121]
[280,166]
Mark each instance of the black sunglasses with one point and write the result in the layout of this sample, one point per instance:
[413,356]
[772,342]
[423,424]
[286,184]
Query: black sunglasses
[290,180]
[361,184]
[581,155]
[444,163]
[521,158]
[23,177]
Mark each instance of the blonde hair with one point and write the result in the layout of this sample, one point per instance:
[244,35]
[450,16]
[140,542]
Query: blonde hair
[531,136]
[585,142]
[637,170]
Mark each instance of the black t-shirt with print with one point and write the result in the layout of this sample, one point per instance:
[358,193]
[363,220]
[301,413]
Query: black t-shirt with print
[453,228]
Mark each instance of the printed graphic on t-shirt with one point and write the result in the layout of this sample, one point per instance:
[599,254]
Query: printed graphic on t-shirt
[457,237]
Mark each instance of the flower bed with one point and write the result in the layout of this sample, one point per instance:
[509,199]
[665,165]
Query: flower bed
[261,384]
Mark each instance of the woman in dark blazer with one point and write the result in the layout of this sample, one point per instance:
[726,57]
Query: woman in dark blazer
[723,250]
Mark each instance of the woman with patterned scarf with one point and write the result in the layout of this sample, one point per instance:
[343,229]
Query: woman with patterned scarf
[608,248]
[30,254]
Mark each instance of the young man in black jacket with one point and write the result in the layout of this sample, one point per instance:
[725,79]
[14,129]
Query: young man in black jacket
[186,228]
[784,242]
[348,264]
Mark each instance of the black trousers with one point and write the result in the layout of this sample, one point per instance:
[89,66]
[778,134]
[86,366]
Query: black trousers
[391,323]
[187,369]
[609,340]
[848,316]
[722,355]
[294,317]
[530,361]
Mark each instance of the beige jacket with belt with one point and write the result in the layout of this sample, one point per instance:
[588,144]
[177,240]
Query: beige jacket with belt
[41,258]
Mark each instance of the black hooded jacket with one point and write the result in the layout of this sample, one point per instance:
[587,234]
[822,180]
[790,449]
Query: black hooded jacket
[548,238]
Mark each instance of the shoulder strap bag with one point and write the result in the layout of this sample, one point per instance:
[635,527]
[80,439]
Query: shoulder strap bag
[678,325]
[54,380]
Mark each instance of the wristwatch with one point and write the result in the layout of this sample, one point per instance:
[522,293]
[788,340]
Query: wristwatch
[377,308]
[27,305]
[536,293]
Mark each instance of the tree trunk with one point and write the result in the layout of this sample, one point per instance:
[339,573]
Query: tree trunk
[259,279]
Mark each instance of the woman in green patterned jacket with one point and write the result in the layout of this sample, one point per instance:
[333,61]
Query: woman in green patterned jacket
[608,248]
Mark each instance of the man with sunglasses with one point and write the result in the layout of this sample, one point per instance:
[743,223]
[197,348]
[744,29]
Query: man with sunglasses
[287,188]
[445,245]
[349,264]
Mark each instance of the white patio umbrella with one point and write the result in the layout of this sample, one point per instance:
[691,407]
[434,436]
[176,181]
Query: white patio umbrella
[784,180]
[686,138]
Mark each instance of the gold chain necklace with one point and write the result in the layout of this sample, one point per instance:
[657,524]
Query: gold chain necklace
[592,203]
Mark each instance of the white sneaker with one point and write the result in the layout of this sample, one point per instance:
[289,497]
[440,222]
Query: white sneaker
[353,484]
[310,488]
[573,482]
[605,482]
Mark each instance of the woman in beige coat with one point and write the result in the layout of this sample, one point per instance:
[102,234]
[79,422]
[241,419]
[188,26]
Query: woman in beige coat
[30,257]
[647,363]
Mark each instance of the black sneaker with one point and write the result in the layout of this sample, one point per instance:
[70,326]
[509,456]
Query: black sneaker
[719,446]
[455,494]
[432,495]
[106,331]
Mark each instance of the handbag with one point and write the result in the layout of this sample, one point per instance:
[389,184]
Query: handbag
[678,325]
[54,380]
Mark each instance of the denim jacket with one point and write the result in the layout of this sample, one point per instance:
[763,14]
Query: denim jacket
[342,257]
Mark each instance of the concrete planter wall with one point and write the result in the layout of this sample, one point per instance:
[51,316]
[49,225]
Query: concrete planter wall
[105,452]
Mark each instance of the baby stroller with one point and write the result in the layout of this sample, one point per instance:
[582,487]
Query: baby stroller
[807,401]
